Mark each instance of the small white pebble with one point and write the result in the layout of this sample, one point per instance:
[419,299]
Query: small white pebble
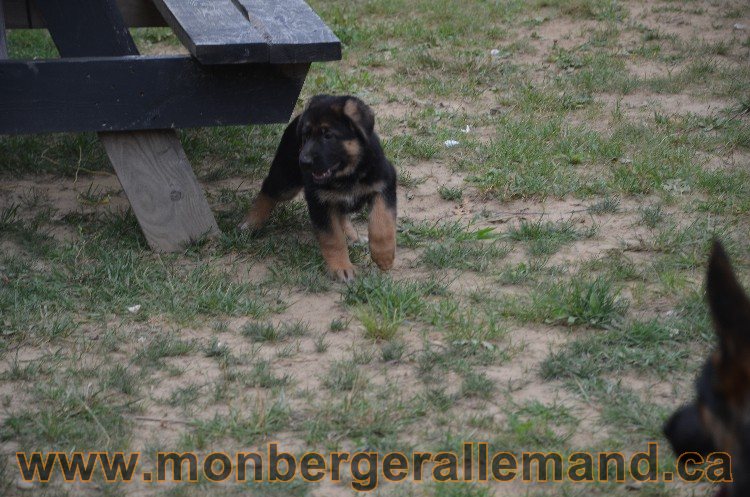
[494,52]
[467,129]
[451,143]
[134,309]
[22,484]
[740,26]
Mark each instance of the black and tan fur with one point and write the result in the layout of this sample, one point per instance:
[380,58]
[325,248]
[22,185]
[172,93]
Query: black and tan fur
[719,419]
[331,151]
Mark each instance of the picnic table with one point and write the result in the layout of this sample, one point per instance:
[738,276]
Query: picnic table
[247,64]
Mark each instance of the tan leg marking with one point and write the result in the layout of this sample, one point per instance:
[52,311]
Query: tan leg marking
[382,233]
[348,227]
[335,252]
[259,213]
[261,209]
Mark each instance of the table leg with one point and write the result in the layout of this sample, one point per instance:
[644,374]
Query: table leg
[155,174]
[165,195]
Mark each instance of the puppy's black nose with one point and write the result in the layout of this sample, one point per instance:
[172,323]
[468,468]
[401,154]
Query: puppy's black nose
[686,433]
[305,160]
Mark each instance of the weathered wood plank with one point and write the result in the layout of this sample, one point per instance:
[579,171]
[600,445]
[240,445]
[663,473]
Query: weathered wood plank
[290,31]
[161,186]
[137,13]
[3,41]
[239,31]
[294,31]
[153,170]
[130,93]
[215,31]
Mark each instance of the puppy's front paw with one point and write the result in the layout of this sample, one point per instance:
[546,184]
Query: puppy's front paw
[383,257]
[382,233]
[344,274]
[245,226]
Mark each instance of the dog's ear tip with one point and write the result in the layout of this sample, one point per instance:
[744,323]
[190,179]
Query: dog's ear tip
[717,251]
[719,266]
[727,300]
[360,113]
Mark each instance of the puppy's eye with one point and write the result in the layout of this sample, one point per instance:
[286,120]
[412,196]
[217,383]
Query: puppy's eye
[327,134]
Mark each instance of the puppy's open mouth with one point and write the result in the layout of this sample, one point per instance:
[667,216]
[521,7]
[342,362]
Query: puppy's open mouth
[323,176]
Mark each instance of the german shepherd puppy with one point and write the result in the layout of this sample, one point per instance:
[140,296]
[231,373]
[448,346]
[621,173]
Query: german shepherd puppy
[719,420]
[331,151]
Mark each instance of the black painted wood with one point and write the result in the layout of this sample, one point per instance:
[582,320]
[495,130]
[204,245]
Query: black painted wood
[3,40]
[137,13]
[20,15]
[131,93]
[87,28]
[239,31]
[294,31]
[215,31]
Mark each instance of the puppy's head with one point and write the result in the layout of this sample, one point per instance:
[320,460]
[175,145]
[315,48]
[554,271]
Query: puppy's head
[719,420]
[333,133]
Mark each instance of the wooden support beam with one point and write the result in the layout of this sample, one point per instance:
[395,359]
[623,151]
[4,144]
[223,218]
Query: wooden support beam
[75,37]
[139,93]
[3,40]
[165,196]
[24,14]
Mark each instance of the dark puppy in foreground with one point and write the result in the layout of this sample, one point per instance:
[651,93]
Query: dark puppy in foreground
[719,420]
[332,152]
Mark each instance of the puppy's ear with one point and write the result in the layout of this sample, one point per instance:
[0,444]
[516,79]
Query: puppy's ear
[361,117]
[297,126]
[317,99]
[730,309]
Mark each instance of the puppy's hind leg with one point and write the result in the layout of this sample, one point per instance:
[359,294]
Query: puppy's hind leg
[262,208]
[283,182]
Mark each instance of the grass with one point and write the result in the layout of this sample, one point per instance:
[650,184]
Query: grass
[384,304]
[453,194]
[413,234]
[268,332]
[549,273]
[546,237]
[343,376]
[239,425]
[477,385]
[162,346]
[579,301]
[473,256]
[649,347]
[263,376]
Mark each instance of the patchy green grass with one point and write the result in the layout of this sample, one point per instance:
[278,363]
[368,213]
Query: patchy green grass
[546,238]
